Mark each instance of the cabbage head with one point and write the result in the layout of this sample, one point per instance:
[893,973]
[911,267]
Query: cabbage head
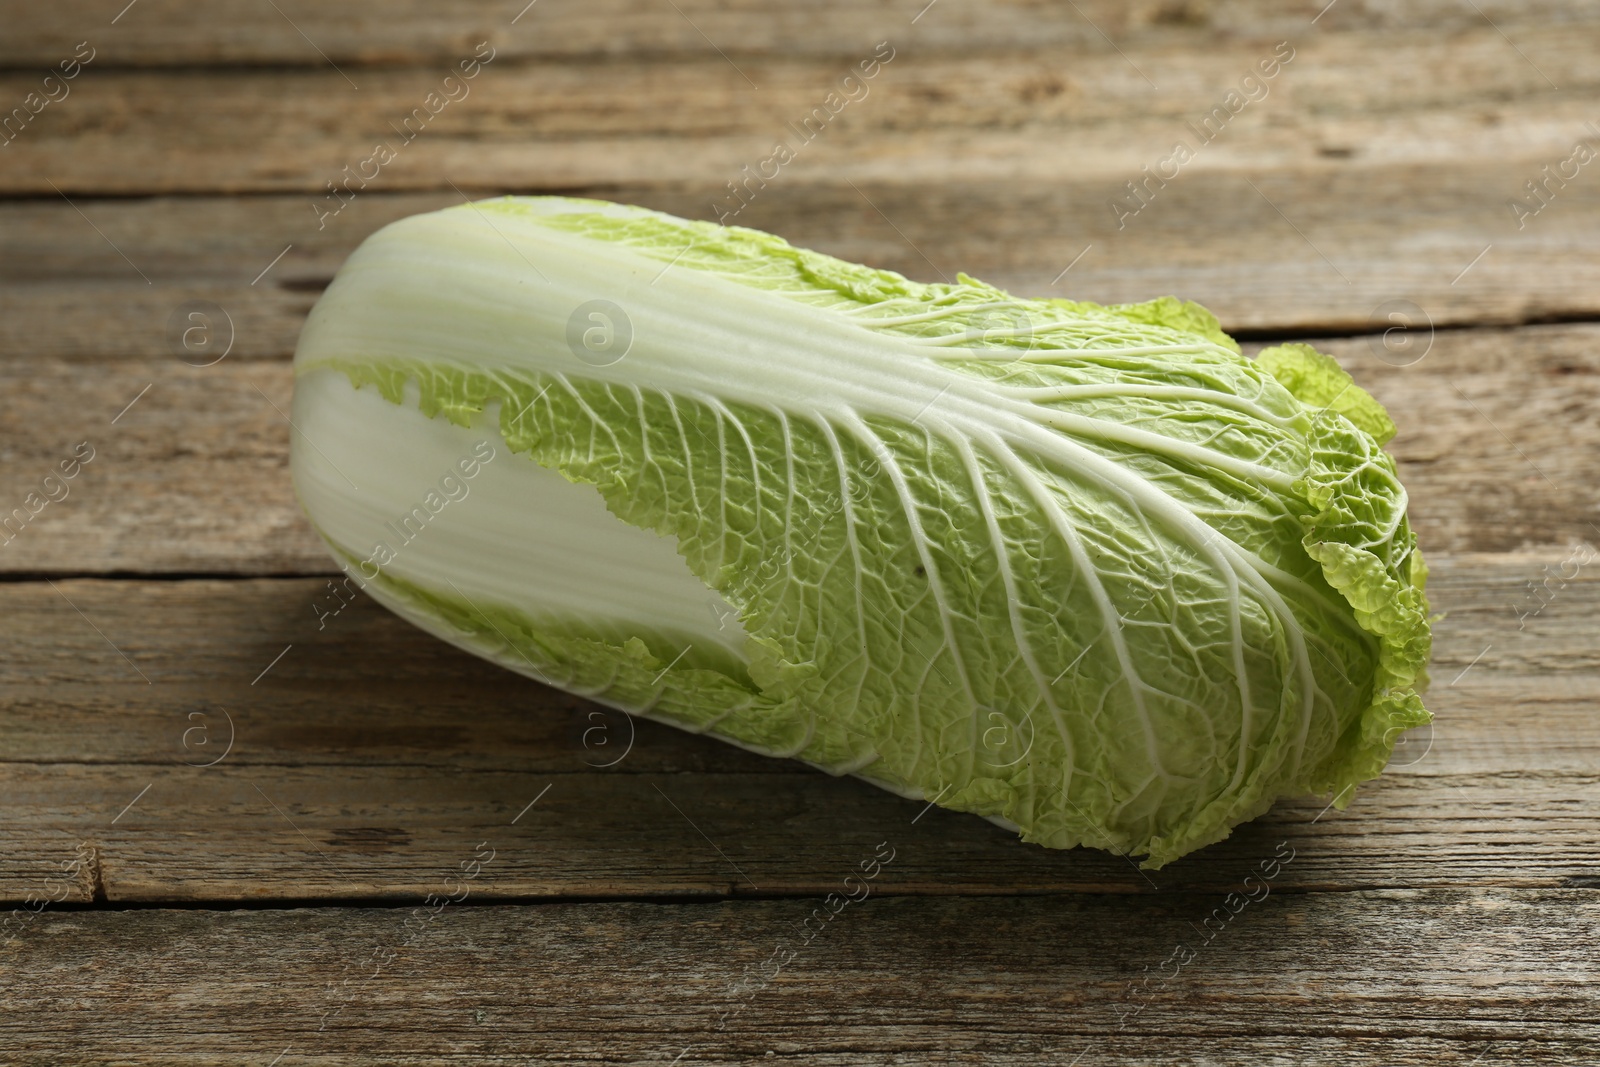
[1086,571]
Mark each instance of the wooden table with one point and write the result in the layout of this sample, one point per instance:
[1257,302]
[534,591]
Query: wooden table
[230,816]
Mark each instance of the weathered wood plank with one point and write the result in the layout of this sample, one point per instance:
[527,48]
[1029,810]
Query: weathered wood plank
[163,477]
[408,699]
[187,245]
[405,698]
[1389,185]
[1391,978]
[238,32]
[369,751]
[193,478]
[1333,100]
[1212,239]
[99,319]
[353,833]
[1512,691]
[578,123]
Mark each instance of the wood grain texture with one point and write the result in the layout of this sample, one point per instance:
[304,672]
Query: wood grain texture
[1378,167]
[1362,99]
[391,833]
[311,33]
[1512,690]
[1212,239]
[369,753]
[204,643]
[1499,447]
[1490,976]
